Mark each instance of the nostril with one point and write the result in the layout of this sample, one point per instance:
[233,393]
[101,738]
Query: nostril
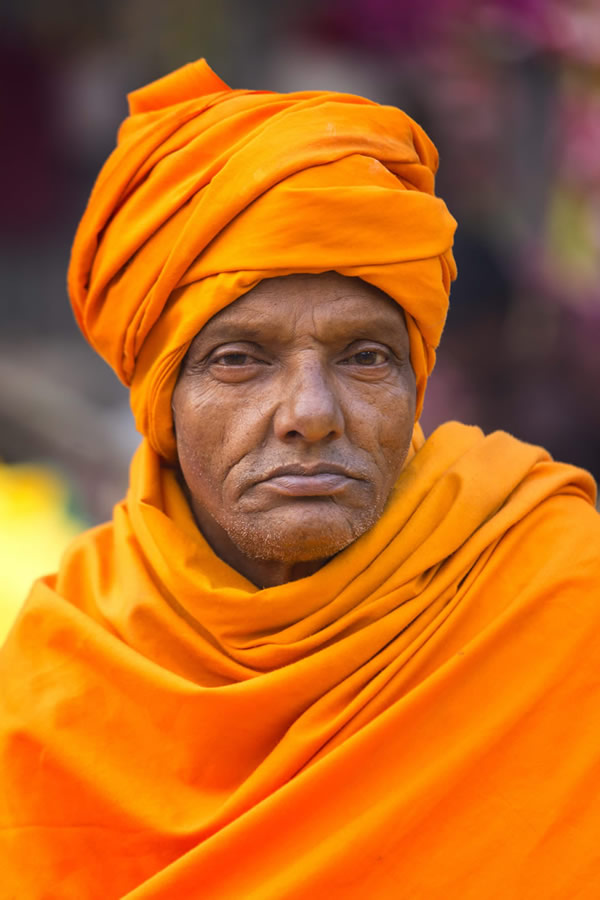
[293,435]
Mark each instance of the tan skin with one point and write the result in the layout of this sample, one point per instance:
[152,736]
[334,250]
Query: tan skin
[293,413]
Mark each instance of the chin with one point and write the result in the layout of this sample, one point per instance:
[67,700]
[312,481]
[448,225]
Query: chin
[314,535]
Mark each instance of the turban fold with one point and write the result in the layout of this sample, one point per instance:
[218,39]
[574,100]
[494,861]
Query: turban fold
[211,190]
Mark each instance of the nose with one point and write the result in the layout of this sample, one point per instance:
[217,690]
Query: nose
[309,408]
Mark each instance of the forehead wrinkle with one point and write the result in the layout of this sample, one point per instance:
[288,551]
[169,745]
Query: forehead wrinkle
[263,315]
[359,318]
[231,319]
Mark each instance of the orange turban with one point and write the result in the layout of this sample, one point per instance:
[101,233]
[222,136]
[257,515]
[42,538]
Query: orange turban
[211,190]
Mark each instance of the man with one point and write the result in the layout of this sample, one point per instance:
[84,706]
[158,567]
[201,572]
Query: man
[313,655]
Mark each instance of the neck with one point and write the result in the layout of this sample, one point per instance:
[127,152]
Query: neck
[266,573]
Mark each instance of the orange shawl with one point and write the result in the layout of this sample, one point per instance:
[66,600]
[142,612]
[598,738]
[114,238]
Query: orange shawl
[417,719]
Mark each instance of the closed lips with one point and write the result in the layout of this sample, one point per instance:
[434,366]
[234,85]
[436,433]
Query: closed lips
[315,481]
[312,471]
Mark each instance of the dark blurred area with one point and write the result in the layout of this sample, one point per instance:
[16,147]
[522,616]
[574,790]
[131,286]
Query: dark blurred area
[510,92]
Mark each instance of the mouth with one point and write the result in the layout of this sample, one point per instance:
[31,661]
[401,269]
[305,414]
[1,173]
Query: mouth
[320,480]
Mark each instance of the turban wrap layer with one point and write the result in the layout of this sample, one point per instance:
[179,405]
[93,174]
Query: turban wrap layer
[210,190]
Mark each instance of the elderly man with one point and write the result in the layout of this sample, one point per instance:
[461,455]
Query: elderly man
[313,654]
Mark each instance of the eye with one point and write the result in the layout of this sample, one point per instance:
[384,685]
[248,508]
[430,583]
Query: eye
[233,359]
[368,358]
[235,364]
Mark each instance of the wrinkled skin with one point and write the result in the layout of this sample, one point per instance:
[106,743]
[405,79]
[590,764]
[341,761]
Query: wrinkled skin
[293,413]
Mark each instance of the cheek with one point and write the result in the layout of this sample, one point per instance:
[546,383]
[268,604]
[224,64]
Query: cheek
[214,430]
[386,420]
[198,433]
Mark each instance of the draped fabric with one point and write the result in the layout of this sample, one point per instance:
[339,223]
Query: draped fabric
[210,190]
[417,719]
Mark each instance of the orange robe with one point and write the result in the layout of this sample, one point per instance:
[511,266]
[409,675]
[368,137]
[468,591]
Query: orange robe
[419,719]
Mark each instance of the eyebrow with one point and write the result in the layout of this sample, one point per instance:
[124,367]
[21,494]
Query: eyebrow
[378,326]
[224,331]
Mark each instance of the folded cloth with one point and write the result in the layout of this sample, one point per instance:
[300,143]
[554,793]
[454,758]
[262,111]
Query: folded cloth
[419,718]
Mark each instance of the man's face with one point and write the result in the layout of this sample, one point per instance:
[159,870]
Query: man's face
[293,413]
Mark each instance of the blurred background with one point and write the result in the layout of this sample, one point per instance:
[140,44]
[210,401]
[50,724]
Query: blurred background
[509,90]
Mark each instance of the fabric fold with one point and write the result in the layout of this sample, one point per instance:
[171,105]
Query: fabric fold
[186,719]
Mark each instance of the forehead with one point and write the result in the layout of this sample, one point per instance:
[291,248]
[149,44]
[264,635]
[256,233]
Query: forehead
[328,304]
